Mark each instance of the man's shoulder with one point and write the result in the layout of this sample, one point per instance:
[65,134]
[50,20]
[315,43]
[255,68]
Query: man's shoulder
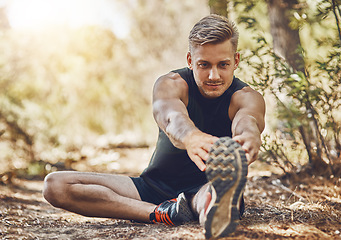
[171,83]
[243,91]
[246,94]
[171,77]
[176,77]
[238,84]
[184,70]
[185,73]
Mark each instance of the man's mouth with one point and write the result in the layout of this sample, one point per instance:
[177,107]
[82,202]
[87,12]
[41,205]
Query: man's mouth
[213,84]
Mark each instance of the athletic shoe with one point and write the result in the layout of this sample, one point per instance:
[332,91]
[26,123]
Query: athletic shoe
[226,170]
[173,212]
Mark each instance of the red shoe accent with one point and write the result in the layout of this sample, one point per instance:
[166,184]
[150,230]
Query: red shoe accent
[172,212]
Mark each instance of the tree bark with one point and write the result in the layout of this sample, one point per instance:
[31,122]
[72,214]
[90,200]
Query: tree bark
[218,7]
[286,41]
[287,44]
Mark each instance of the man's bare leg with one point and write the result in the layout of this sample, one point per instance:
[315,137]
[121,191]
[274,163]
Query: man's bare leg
[96,195]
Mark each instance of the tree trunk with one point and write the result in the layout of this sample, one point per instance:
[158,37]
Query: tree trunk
[286,44]
[218,7]
[286,41]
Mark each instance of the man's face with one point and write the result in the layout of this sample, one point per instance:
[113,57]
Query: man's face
[213,66]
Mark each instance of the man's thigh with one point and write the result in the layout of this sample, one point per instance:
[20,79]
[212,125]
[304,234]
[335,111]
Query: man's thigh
[122,185]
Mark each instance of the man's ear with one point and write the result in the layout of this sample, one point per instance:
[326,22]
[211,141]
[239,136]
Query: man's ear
[189,60]
[236,60]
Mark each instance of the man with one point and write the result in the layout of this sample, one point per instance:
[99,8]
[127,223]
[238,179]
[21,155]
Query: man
[196,171]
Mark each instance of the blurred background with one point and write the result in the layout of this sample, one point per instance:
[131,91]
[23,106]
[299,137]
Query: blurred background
[76,79]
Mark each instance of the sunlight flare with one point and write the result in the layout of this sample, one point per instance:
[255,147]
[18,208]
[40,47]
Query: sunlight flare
[39,14]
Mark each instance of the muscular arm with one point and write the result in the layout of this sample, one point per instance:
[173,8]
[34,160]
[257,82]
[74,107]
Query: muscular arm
[247,112]
[170,98]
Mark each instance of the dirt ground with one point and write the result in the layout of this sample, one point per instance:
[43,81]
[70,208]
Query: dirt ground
[298,207]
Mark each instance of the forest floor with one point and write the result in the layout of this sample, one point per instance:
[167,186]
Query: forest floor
[277,207]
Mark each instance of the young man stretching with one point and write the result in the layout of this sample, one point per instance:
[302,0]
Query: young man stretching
[197,172]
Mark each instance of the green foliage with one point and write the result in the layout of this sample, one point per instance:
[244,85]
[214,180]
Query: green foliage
[73,90]
[306,105]
[63,89]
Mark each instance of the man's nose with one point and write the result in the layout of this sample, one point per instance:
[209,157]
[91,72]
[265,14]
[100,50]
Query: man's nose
[214,74]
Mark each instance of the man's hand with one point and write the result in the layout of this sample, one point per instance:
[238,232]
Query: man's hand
[170,99]
[198,144]
[247,111]
[250,144]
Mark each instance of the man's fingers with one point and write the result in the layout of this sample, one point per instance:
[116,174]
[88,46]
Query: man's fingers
[198,161]
[198,149]
[207,147]
[238,139]
[245,149]
[253,156]
[249,160]
[203,154]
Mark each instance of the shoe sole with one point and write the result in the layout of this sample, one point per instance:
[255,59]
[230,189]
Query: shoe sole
[226,170]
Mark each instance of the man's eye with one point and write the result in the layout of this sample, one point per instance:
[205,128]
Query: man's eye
[203,65]
[224,65]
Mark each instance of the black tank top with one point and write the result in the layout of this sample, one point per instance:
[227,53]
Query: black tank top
[170,170]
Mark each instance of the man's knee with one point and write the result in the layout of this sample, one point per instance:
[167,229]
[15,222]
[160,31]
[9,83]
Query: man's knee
[54,188]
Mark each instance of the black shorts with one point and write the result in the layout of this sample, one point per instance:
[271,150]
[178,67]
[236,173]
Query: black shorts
[152,195]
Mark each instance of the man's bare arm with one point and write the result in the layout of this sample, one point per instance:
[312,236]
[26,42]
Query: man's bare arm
[247,114]
[170,97]
[169,108]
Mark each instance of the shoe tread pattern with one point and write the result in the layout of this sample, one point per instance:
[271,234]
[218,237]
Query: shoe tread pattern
[223,171]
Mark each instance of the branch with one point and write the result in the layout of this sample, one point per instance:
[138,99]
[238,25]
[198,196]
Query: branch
[337,18]
[278,183]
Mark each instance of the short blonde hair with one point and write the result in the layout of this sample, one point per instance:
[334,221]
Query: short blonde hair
[213,29]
